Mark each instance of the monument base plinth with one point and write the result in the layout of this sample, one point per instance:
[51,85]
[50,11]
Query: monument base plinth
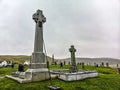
[73,69]
[31,75]
[38,57]
[37,74]
[80,75]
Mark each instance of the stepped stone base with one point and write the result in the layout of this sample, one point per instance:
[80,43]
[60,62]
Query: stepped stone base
[37,74]
[73,69]
[20,80]
[31,75]
[78,75]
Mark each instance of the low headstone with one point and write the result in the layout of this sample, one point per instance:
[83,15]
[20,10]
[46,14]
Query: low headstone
[47,64]
[107,64]
[12,66]
[80,63]
[69,62]
[117,65]
[95,65]
[61,64]
[83,65]
[102,64]
[20,68]
[53,60]
[55,63]
[64,63]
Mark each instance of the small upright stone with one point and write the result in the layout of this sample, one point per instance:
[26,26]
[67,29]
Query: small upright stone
[20,68]
[83,66]
[53,60]
[73,67]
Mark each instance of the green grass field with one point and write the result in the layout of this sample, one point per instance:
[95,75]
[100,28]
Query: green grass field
[108,80]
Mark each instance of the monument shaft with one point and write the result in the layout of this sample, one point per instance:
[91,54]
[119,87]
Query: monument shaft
[73,62]
[38,44]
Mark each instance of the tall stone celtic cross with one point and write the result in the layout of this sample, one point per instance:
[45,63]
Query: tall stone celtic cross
[38,56]
[38,70]
[72,50]
[39,18]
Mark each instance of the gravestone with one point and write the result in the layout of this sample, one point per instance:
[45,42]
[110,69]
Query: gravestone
[38,68]
[64,62]
[80,63]
[53,60]
[83,65]
[69,62]
[12,66]
[102,64]
[55,63]
[73,67]
[20,68]
[117,65]
[47,64]
[107,64]
[61,64]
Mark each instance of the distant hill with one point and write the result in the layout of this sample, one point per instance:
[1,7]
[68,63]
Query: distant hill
[18,58]
[111,61]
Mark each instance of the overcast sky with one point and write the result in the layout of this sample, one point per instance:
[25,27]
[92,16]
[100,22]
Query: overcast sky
[92,26]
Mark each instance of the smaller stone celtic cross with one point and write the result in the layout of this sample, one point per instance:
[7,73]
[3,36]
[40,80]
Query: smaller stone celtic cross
[73,67]
[72,50]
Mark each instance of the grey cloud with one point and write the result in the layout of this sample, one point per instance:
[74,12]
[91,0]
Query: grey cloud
[91,25]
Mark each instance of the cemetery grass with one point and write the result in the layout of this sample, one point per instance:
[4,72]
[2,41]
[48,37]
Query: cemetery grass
[108,80]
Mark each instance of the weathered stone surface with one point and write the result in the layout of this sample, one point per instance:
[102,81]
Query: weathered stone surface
[37,74]
[38,68]
[78,75]
[83,66]
[20,68]
[53,60]
[38,65]
[38,55]
[20,80]
[73,67]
